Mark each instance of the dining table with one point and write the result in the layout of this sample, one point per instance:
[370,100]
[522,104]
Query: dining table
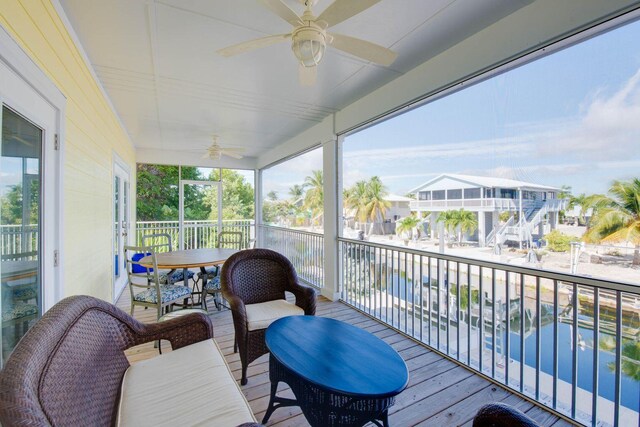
[190,258]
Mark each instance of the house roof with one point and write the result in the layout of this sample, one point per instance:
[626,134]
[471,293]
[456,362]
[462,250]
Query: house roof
[397,198]
[487,182]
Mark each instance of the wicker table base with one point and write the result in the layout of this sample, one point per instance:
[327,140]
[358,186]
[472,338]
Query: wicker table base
[321,407]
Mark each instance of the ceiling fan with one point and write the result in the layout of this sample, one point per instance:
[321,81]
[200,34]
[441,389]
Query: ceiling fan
[310,38]
[215,151]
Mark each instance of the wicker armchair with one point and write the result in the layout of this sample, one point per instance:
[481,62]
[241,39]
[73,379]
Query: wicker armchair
[67,370]
[254,282]
[501,415]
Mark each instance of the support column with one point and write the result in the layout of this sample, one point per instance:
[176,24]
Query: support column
[332,165]
[433,223]
[257,189]
[481,229]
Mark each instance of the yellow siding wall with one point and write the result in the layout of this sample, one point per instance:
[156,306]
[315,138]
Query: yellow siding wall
[93,134]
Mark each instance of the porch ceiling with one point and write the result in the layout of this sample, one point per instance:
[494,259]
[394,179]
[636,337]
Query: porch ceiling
[157,62]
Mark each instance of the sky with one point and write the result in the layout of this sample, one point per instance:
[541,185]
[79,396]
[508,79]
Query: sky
[570,118]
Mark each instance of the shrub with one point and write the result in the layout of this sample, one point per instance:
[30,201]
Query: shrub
[559,242]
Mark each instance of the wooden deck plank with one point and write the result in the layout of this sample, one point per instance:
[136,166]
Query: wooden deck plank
[439,392]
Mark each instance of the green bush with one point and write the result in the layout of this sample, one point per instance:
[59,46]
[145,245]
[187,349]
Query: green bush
[559,242]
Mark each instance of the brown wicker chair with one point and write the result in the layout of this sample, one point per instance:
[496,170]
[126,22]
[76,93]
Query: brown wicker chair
[67,370]
[256,276]
[501,415]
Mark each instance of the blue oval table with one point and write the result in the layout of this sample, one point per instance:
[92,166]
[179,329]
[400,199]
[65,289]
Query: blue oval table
[340,375]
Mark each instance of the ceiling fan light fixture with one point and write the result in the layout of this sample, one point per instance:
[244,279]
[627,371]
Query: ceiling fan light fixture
[308,45]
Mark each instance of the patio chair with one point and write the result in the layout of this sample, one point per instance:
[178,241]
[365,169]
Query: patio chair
[226,239]
[254,282]
[144,283]
[501,415]
[161,242]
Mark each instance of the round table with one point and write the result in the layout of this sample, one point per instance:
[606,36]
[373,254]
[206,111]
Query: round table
[339,374]
[190,258]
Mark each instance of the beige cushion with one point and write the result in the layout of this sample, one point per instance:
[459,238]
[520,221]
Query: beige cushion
[190,386]
[261,315]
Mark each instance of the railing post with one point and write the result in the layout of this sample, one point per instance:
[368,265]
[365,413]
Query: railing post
[332,160]
[258,206]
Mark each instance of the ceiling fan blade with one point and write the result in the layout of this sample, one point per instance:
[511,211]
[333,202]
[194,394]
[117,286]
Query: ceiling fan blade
[341,10]
[231,154]
[364,49]
[252,44]
[283,11]
[307,75]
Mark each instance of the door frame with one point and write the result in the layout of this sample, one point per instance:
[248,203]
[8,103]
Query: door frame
[118,163]
[184,182]
[35,87]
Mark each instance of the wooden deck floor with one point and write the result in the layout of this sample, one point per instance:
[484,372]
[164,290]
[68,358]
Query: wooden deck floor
[440,393]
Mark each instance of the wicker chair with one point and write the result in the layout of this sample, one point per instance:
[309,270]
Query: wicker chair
[254,282]
[67,370]
[501,415]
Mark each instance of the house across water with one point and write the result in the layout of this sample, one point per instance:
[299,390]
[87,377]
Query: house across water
[533,208]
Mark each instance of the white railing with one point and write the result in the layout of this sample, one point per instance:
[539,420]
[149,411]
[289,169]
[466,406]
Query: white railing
[485,204]
[18,242]
[577,334]
[304,249]
[197,234]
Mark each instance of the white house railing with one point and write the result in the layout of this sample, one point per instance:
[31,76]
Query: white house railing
[197,234]
[18,242]
[577,334]
[304,249]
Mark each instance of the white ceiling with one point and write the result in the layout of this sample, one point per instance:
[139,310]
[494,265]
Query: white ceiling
[157,61]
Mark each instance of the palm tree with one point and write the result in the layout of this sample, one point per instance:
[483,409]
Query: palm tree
[617,216]
[584,202]
[376,205]
[314,199]
[296,191]
[467,222]
[272,196]
[406,225]
[355,198]
[461,220]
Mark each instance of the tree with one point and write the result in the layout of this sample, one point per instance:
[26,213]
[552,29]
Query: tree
[617,216]
[406,225]
[157,194]
[355,198]
[237,196]
[314,199]
[272,196]
[585,203]
[460,220]
[296,192]
[376,206]
[11,205]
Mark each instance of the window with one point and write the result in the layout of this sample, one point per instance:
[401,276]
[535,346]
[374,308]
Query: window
[438,194]
[425,195]
[472,193]
[454,194]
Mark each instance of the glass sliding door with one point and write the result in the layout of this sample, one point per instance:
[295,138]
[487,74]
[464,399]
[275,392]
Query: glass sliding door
[21,226]
[120,226]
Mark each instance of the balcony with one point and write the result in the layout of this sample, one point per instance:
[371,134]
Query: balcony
[472,319]
[440,392]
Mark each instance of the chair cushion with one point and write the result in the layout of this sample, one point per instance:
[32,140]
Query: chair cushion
[261,315]
[169,293]
[18,310]
[186,387]
[213,284]
[176,276]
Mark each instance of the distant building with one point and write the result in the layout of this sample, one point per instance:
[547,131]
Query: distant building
[534,208]
[399,208]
